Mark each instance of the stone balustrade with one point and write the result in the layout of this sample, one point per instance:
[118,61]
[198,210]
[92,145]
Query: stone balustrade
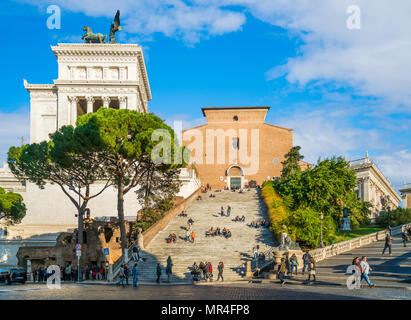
[344,246]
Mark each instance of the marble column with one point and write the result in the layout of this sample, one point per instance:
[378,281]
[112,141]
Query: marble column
[106,101]
[123,102]
[90,101]
[73,109]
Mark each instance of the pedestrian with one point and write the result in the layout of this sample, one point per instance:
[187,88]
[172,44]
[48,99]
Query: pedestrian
[288,264]
[158,273]
[135,254]
[281,272]
[188,235]
[169,269]
[134,271]
[311,270]
[220,271]
[388,243]
[228,211]
[222,211]
[192,236]
[210,271]
[294,264]
[255,253]
[365,269]
[126,273]
[207,271]
[121,275]
[306,260]
[405,237]
[202,269]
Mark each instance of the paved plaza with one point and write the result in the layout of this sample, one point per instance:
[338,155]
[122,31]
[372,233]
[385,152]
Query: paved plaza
[246,291]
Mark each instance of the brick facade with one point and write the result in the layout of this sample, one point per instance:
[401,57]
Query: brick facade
[261,146]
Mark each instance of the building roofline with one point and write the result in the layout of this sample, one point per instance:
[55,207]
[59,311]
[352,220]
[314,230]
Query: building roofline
[233,108]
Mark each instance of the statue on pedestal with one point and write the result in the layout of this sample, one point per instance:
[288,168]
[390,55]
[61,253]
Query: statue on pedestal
[346,221]
[115,27]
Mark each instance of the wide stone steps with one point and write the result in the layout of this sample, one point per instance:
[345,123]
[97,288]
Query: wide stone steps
[234,252]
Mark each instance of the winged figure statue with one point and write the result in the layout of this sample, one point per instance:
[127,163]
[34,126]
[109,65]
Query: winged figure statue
[115,27]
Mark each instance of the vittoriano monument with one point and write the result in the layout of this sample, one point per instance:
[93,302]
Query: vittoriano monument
[91,37]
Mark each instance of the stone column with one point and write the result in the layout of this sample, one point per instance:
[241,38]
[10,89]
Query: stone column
[28,270]
[123,101]
[90,101]
[73,109]
[140,239]
[106,101]
[248,271]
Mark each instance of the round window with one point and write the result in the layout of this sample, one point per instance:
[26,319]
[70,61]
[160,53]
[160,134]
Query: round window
[235,118]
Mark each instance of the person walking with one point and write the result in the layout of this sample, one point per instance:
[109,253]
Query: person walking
[220,271]
[121,275]
[281,272]
[192,236]
[158,273]
[135,254]
[294,264]
[134,272]
[169,269]
[222,211]
[388,243]
[311,270]
[126,273]
[306,260]
[206,271]
[405,237]
[228,211]
[365,270]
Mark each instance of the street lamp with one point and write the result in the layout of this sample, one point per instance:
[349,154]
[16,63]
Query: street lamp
[80,225]
[321,243]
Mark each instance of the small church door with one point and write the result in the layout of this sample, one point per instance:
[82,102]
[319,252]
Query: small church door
[235,182]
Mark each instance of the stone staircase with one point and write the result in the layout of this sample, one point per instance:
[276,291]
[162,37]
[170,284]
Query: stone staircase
[234,252]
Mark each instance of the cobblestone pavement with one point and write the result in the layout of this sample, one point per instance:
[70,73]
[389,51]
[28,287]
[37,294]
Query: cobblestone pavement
[188,292]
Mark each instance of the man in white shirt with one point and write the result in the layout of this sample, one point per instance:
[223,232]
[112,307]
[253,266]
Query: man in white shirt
[365,267]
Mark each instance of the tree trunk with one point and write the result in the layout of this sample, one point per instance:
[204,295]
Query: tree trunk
[120,210]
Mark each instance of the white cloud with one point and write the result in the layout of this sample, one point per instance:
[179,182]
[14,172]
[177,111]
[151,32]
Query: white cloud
[322,135]
[12,127]
[396,166]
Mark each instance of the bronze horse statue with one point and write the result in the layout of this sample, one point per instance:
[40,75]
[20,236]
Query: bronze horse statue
[91,37]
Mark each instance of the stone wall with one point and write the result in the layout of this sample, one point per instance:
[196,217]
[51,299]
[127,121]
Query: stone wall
[151,232]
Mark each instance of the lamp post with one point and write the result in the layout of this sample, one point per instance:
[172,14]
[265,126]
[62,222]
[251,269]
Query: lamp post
[79,227]
[321,243]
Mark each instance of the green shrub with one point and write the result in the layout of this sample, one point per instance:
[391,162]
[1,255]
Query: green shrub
[398,217]
[149,217]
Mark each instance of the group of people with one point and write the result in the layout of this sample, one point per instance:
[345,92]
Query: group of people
[364,268]
[70,273]
[204,271]
[172,237]
[226,233]
[259,223]
[228,211]
[238,219]
[289,266]
[124,274]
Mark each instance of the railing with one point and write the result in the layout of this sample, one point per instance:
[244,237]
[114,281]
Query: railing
[344,246]
[269,257]
[360,161]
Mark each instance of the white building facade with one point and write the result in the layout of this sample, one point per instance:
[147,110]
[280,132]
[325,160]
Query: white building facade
[373,186]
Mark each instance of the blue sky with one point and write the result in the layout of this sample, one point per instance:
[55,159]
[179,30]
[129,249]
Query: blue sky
[342,91]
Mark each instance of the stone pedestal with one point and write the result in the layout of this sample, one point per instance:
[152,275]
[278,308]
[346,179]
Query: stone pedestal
[140,240]
[248,271]
[110,273]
